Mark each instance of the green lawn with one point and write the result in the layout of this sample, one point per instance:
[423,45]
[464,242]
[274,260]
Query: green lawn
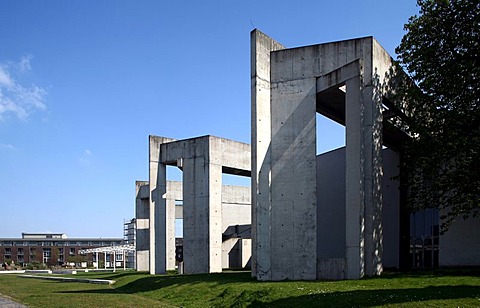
[237,289]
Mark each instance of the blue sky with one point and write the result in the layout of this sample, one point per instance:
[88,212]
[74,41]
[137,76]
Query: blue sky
[83,84]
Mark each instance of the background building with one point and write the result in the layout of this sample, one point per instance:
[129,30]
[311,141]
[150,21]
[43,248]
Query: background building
[129,236]
[51,248]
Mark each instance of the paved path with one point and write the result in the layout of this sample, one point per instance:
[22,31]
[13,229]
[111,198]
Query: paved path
[6,302]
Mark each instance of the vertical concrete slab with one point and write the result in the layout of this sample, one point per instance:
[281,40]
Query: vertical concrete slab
[293,179]
[261,46]
[364,178]
[158,206]
[354,189]
[142,221]
[373,175]
[215,206]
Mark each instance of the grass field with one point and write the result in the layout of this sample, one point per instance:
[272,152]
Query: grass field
[238,289]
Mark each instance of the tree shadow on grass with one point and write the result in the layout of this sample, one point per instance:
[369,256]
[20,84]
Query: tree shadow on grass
[155,282]
[315,297]
[428,273]
[370,298]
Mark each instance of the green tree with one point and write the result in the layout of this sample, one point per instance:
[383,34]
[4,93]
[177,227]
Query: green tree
[441,53]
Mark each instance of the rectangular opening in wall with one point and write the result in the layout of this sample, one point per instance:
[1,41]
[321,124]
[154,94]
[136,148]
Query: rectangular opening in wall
[330,134]
[178,218]
[236,180]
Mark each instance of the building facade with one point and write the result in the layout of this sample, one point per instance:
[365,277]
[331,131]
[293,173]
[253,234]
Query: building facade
[52,249]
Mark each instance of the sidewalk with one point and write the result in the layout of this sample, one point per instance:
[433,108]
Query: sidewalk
[6,302]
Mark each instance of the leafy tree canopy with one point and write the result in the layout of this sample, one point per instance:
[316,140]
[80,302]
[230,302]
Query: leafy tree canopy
[441,53]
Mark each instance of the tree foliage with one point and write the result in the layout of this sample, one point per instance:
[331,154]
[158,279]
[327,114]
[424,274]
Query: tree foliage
[441,53]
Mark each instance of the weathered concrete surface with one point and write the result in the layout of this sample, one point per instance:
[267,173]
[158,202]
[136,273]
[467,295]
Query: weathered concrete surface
[159,213]
[345,81]
[331,203]
[261,46]
[203,160]
[236,211]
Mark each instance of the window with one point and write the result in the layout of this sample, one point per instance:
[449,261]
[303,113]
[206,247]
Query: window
[61,257]
[33,254]
[47,255]
[19,251]
[8,254]
[119,257]
[72,251]
[424,238]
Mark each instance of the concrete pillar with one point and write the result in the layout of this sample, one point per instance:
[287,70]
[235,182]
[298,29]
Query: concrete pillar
[363,181]
[142,221]
[202,212]
[354,191]
[261,46]
[158,208]
[373,145]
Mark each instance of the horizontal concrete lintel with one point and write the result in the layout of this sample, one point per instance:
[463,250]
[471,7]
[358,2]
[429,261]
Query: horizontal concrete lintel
[339,76]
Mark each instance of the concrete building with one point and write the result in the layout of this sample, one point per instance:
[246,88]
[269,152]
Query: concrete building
[312,220]
[207,207]
[51,249]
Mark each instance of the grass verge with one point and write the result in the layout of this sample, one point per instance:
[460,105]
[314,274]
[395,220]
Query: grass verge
[238,289]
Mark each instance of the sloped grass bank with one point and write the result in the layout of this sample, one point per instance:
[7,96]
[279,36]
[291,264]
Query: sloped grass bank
[238,289]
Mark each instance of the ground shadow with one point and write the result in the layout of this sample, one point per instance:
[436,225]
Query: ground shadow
[316,295]
[371,298]
[155,282]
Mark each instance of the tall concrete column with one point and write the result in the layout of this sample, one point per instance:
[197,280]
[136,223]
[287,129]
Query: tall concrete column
[202,206]
[354,188]
[158,207]
[373,177]
[261,46]
[363,181]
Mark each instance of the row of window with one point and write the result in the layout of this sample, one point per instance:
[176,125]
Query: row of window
[47,255]
[20,251]
[62,243]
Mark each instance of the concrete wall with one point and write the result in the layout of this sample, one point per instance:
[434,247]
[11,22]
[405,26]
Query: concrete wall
[331,204]
[331,211]
[236,210]
[460,245]
[391,210]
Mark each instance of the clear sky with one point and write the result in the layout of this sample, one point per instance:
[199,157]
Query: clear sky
[83,84]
